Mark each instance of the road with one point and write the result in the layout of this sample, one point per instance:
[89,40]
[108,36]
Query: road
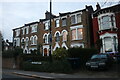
[6,75]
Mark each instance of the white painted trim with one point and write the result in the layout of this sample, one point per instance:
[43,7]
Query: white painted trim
[111,35]
[22,39]
[63,31]
[56,45]
[63,17]
[104,14]
[56,18]
[77,44]
[44,35]
[78,26]
[56,33]
[108,35]
[46,21]
[31,37]
[64,45]
[76,13]
[36,37]
[46,46]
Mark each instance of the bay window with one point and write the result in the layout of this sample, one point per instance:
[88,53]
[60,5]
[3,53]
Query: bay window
[77,34]
[106,22]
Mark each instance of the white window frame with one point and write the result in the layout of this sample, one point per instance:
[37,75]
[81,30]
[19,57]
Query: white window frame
[17,41]
[27,29]
[62,22]
[76,18]
[34,28]
[17,32]
[110,23]
[57,23]
[63,35]
[35,36]
[108,35]
[32,40]
[76,28]
[45,41]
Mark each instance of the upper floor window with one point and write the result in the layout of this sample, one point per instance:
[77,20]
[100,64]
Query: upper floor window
[45,39]
[27,41]
[64,22]
[17,32]
[106,22]
[78,18]
[57,23]
[75,18]
[77,34]
[49,38]
[22,41]
[17,41]
[27,29]
[46,26]
[35,40]
[23,31]
[33,28]
[57,37]
[64,35]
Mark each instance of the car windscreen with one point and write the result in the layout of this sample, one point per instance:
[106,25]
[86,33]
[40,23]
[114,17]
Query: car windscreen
[98,56]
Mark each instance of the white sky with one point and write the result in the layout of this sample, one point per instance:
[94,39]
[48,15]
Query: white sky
[14,14]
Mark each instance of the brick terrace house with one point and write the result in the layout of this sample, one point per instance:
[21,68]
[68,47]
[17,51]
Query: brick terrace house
[71,29]
[26,37]
[106,28]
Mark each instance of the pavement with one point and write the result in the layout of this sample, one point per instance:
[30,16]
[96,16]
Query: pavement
[58,76]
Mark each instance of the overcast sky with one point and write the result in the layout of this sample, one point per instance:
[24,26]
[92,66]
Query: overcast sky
[16,14]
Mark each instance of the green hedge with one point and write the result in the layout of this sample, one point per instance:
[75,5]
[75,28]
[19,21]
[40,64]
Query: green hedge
[34,57]
[8,54]
[58,66]
[83,53]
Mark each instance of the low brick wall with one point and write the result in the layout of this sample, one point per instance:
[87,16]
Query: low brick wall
[7,63]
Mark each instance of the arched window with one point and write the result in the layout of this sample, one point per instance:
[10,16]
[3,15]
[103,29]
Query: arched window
[64,36]
[57,37]
[35,40]
[32,40]
[49,38]
[45,39]
[22,41]
[27,40]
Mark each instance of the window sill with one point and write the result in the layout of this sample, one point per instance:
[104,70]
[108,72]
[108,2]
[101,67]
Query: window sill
[77,39]
[33,44]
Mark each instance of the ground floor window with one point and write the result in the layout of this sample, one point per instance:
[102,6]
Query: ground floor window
[108,44]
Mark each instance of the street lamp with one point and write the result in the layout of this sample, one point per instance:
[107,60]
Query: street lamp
[50,28]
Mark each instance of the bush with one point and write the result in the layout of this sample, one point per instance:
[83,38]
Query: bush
[60,53]
[34,57]
[58,66]
[7,54]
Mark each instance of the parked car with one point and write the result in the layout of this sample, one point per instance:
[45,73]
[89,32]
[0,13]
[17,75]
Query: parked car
[99,61]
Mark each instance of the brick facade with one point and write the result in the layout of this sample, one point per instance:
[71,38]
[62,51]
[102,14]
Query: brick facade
[106,27]
[72,29]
